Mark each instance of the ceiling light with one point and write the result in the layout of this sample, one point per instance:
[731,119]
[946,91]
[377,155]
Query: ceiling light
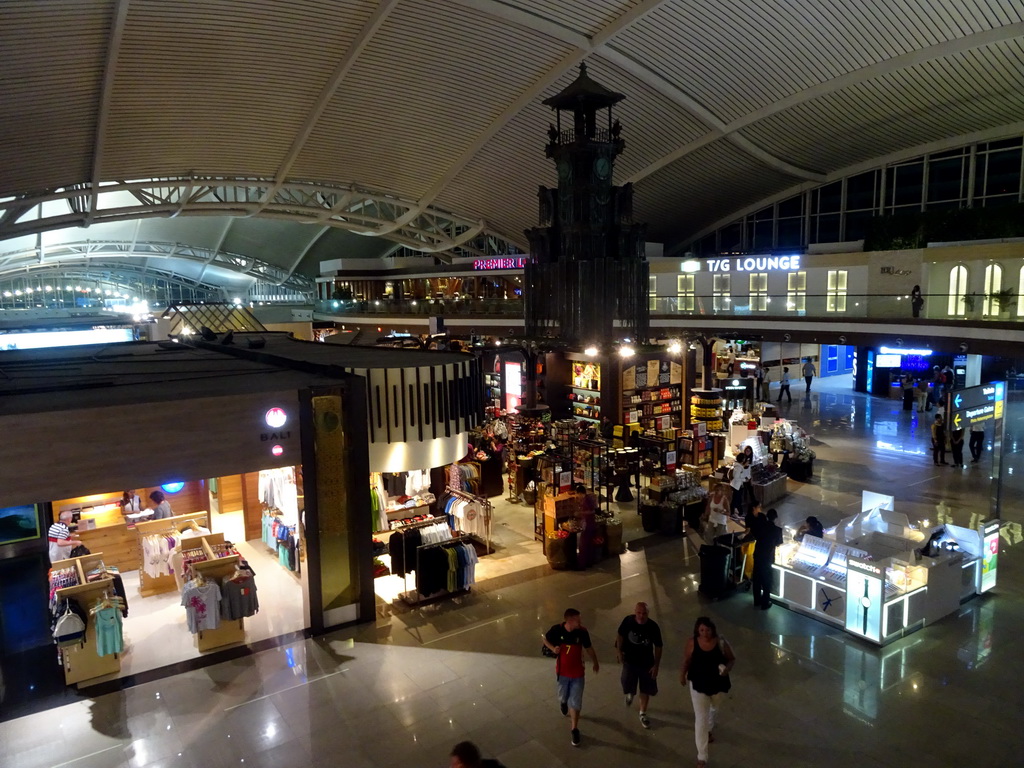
[626,351]
[590,351]
[675,347]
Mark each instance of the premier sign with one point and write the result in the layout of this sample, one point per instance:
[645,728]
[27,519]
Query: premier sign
[508,263]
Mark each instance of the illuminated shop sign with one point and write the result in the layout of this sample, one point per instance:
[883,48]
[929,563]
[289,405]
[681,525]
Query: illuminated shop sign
[989,555]
[515,263]
[901,351]
[754,264]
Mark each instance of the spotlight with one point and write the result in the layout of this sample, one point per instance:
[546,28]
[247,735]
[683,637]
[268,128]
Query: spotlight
[626,351]
[963,347]
[675,347]
[590,351]
[842,339]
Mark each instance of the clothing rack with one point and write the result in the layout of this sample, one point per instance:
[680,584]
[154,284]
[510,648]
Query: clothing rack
[158,585]
[216,569]
[409,527]
[415,597]
[488,510]
[81,662]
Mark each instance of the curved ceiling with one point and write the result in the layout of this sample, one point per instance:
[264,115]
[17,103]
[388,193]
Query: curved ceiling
[420,121]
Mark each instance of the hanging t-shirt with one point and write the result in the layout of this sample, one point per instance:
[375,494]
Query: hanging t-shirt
[571,645]
[109,639]
[238,598]
[202,605]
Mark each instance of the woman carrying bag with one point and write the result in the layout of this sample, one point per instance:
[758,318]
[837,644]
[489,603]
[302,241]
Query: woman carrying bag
[707,661]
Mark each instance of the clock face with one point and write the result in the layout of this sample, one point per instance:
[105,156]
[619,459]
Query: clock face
[602,168]
[564,170]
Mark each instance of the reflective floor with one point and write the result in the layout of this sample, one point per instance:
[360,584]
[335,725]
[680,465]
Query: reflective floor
[401,690]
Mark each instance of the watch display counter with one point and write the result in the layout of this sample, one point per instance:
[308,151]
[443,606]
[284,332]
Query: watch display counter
[882,584]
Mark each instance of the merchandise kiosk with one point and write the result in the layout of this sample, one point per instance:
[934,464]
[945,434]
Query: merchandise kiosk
[879,578]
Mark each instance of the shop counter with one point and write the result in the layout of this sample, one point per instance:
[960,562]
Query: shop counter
[102,528]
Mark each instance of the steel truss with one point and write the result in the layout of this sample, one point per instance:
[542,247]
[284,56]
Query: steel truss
[135,279]
[424,229]
[115,254]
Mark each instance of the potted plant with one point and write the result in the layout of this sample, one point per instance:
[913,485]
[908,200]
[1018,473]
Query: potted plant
[968,299]
[1000,301]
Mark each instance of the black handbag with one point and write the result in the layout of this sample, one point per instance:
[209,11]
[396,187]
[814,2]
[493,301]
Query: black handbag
[80,551]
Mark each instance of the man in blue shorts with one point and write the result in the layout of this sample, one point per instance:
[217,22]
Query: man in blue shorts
[638,648]
[568,641]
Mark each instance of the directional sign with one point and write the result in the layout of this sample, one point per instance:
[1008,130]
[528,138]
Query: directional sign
[976,405]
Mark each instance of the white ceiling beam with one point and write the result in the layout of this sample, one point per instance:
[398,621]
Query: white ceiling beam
[302,255]
[216,248]
[103,110]
[341,70]
[582,46]
[857,76]
[718,129]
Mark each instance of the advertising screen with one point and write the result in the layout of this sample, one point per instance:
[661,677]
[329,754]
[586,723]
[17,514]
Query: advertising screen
[888,361]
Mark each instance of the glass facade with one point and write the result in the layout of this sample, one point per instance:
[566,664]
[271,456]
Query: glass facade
[986,174]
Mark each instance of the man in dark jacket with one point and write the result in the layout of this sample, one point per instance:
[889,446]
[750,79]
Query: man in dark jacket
[767,536]
[465,754]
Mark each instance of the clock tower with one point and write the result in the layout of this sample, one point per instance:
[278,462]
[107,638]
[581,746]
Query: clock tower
[588,278]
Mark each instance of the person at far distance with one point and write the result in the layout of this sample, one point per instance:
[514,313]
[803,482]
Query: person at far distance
[568,641]
[809,372]
[638,648]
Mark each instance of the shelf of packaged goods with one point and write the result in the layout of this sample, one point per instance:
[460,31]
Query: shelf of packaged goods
[655,402]
[586,418]
[586,389]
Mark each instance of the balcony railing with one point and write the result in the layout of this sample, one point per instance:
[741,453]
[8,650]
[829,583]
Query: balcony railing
[837,305]
[834,306]
[426,307]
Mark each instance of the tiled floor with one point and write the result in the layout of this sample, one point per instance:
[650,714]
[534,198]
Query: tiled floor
[401,690]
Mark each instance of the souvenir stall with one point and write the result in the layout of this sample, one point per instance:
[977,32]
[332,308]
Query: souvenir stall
[528,439]
[672,499]
[793,444]
[652,394]
[879,577]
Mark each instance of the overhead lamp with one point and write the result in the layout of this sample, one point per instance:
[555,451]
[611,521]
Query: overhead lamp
[591,351]
[675,347]
[626,351]
[690,265]
[497,343]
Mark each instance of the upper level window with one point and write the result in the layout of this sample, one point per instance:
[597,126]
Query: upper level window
[685,293]
[993,284]
[652,292]
[796,296]
[835,300]
[1020,294]
[721,291]
[957,304]
[758,291]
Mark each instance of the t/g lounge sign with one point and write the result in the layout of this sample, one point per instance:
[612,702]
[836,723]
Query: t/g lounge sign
[755,264]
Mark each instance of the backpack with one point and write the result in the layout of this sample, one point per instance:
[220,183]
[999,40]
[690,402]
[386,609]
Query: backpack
[69,630]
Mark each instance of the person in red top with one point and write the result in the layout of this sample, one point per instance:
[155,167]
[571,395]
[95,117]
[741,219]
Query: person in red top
[568,641]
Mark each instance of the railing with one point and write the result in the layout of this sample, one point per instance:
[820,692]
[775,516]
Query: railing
[426,307]
[834,307]
[837,305]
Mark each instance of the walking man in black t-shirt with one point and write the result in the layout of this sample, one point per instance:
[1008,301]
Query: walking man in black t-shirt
[638,648]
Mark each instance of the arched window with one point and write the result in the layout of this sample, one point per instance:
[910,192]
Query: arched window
[957,306]
[1020,293]
[993,284]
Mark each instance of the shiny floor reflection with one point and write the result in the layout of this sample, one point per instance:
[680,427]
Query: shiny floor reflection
[401,690]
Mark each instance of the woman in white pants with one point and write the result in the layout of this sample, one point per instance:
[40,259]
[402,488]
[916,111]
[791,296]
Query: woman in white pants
[707,662]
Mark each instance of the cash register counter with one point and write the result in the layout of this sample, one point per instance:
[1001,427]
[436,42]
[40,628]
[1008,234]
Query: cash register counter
[876,587]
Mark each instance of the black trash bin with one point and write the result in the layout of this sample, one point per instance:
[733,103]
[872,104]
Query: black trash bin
[650,518]
[714,567]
